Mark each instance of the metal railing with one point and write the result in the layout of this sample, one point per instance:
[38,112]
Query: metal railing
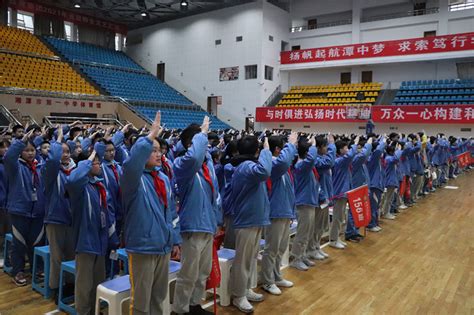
[296,29]
[272,97]
[108,66]
[399,15]
[29,54]
[461,6]
[54,120]
[8,115]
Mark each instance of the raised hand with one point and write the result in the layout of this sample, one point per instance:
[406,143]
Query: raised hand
[205,125]
[370,140]
[331,138]
[126,127]
[60,133]
[27,135]
[356,140]
[265,144]
[155,127]
[293,138]
[92,156]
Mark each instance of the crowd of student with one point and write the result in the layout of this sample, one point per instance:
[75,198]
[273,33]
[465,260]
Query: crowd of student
[164,194]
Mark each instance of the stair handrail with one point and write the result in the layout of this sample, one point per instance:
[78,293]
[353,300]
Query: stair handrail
[9,115]
[272,96]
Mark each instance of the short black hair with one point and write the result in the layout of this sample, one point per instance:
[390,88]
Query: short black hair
[303,148]
[274,142]
[188,133]
[34,127]
[16,127]
[107,142]
[4,143]
[340,144]
[44,142]
[248,145]
[390,150]
[321,141]
[362,141]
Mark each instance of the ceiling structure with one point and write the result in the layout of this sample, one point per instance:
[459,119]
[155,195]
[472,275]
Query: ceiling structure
[140,13]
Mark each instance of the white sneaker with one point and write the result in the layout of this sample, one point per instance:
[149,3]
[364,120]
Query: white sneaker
[323,253]
[284,283]
[379,228]
[272,289]
[242,304]
[253,296]
[343,243]
[316,255]
[298,264]
[308,262]
[402,207]
[2,261]
[373,229]
[389,216]
[336,244]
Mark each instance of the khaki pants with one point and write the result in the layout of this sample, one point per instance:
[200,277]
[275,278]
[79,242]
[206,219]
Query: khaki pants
[90,272]
[277,237]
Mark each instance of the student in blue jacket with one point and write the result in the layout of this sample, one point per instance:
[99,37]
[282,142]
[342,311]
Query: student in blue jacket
[391,160]
[281,192]
[4,219]
[151,223]
[197,193]
[359,177]
[416,170]
[94,229]
[58,219]
[324,162]
[342,184]
[376,182]
[251,213]
[227,203]
[307,199]
[25,203]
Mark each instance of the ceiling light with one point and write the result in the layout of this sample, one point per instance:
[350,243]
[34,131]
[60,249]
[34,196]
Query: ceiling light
[77,5]
[144,14]
[184,3]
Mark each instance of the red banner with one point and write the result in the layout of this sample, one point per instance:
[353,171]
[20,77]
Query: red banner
[412,46]
[464,159]
[424,114]
[439,114]
[41,9]
[360,205]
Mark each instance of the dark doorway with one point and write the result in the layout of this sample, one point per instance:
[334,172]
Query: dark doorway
[160,71]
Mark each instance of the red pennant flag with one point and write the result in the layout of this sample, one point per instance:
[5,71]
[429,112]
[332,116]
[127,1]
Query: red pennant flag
[214,279]
[464,159]
[360,205]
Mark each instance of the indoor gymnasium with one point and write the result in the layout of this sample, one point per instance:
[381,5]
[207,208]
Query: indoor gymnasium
[236,157]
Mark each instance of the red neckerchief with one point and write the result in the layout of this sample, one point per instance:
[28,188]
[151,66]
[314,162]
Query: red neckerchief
[160,188]
[102,193]
[166,167]
[116,175]
[66,172]
[316,174]
[207,175]
[32,167]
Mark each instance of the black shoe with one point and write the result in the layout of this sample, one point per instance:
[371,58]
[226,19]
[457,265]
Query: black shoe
[20,279]
[396,211]
[353,239]
[198,310]
[360,236]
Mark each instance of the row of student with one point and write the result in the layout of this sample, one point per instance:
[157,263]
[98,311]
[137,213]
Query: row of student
[168,198]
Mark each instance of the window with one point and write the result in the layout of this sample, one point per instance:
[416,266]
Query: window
[270,38]
[429,34]
[24,21]
[68,27]
[238,38]
[218,42]
[419,8]
[345,77]
[269,73]
[118,42]
[312,24]
[366,76]
[250,72]
[297,47]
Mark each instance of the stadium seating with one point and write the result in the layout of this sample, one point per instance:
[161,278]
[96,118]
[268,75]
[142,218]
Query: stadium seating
[181,118]
[41,74]
[435,92]
[134,86]
[82,52]
[331,95]
[15,39]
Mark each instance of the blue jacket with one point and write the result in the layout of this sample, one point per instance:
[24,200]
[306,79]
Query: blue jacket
[413,157]
[341,175]
[324,165]
[20,184]
[391,178]
[374,165]
[158,225]
[58,209]
[227,203]
[282,192]
[113,186]
[249,192]
[3,185]
[198,201]
[306,184]
[360,173]
[94,224]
